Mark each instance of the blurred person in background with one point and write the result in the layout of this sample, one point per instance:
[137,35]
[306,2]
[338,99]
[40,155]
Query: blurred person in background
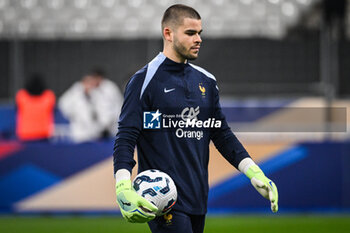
[92,106]
[109,100]
[35,110]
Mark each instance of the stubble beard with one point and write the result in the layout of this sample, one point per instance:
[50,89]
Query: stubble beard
[182,51]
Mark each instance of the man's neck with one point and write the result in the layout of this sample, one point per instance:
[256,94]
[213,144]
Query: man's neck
[173,56]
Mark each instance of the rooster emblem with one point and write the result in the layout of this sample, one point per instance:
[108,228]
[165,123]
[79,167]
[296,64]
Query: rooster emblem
[202,89]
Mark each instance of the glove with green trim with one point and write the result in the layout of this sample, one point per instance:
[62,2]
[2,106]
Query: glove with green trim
[133,207]
[263,185]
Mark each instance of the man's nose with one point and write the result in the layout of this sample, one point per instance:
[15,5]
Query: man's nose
[198,39]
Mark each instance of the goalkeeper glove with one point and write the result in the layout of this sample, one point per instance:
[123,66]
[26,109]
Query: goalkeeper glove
[133,207]
[263,185]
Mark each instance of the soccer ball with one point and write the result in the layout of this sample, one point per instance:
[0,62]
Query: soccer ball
[158,188]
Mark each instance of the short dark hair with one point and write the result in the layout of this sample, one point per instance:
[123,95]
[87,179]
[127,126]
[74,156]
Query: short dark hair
[176,13]
[97,72]
[35,84]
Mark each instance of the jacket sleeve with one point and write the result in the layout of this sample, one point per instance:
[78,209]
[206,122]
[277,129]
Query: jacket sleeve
[224,140]
[129,125]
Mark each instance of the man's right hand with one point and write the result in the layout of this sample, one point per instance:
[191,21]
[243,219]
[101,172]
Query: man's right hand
[132,206]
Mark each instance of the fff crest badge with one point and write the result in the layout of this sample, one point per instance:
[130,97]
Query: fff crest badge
[168,219]
[202,89]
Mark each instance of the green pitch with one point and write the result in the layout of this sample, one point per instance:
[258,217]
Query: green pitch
[237,224]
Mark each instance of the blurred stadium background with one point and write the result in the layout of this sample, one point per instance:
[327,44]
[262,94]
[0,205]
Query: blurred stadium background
[283,69]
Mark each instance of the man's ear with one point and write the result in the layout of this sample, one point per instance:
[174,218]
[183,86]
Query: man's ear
[168,34]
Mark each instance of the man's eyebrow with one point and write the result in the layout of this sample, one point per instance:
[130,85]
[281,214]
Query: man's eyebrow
[193,31]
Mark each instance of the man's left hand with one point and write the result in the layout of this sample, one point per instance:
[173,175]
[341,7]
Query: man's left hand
[263,185]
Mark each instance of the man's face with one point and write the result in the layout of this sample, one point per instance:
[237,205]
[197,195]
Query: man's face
[187,40]
[89,82]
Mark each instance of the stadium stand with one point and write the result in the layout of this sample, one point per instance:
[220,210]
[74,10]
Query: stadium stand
[122,18]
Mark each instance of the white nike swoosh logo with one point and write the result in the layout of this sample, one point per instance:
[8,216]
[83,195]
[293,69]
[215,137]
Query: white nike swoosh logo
[169,90]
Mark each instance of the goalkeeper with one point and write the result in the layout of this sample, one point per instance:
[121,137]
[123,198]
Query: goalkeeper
[171,86]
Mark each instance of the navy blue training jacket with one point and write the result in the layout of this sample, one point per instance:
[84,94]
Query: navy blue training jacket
[180,92]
